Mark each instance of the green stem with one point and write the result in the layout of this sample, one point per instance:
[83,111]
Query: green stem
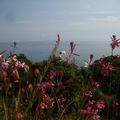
[17,102]
[65,109]
[112,52]
[5,109]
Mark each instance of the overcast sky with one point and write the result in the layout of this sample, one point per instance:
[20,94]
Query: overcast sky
[79,20]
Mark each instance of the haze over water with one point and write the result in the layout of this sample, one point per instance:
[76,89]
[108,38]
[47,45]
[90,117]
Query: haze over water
[38,51]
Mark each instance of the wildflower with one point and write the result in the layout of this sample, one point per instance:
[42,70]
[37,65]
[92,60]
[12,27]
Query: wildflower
[105,67]
[101,62]
[100,104]
[14,58]
[115,43]
[92,102]
[62,55]
[44,85]
[89,62]
[110,66]
[51,76]
[96,117]
[41,86]
[93,109]
[88,112]
[82,112]
[87,95]
[95,84]
[56,46]
[49,102]
[72,47]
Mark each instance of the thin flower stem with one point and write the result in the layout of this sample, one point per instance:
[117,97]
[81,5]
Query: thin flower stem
[5,109]
[65,109]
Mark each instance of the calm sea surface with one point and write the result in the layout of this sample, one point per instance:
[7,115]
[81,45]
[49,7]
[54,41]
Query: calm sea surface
[38,51]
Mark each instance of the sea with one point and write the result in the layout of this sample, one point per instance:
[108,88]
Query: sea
[37,51]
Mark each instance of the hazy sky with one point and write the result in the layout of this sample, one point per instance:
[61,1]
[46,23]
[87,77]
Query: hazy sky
[79,20]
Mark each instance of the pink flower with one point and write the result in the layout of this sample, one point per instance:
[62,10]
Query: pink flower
[72,47]
[101,63]
[83,112]
[108,68]
[47,100]
[88,112]
[95,84]
[91,102]
[87,94]
[96,117]
[100,104]
[51,76]
[44,85]
[105,67]
[93,110]
[115,42]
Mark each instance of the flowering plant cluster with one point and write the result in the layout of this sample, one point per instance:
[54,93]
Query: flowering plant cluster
[54,90]
[92,111]
[106,68]
[50,100]
[12,64]
[115,43]
[92,107]
[106,72]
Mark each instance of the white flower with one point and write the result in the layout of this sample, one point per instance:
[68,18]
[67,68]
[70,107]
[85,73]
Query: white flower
[14,58]
[62,55]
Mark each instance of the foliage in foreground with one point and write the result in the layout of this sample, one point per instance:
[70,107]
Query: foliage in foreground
[58,90]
